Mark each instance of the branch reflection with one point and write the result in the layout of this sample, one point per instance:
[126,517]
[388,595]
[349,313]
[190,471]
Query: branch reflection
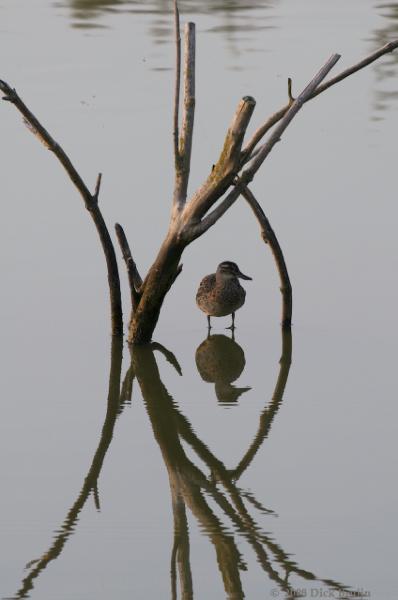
[224,511]
[192,488]
[115,403]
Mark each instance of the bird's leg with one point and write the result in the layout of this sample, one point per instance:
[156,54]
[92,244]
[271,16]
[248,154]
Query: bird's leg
[208,323]
[232,326]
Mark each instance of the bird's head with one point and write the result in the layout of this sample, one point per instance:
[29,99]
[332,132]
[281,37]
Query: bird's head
[230,270]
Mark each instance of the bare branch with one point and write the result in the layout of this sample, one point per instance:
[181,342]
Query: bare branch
[289,90]
[228,164]
[189,92]
[177,83]
[357,67]
[196,230]
[290,114]
[277,116]
[135,280]
[42,134]
[89,199]
[248,150]
[176,274]
[183,164]
[97,187]
[270,238]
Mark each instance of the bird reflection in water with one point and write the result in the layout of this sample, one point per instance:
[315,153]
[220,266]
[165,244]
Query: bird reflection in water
[220,360]
[192,482]
[192,485]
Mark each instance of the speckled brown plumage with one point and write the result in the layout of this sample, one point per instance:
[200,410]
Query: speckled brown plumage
[219,299]
[220,293]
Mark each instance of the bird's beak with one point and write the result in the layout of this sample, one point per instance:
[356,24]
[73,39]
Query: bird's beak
[242,276]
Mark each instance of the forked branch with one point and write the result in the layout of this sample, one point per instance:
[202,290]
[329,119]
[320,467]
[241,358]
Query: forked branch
[223,172]
[90,201]
[278,115]
[294,108]
[198,229]
[229,177]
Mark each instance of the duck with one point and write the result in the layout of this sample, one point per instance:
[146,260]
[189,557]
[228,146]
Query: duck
[220,293]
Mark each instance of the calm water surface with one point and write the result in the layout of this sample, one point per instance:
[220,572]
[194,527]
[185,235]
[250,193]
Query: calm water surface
[200,467]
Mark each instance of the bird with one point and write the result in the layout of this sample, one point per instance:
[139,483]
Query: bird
[220,293]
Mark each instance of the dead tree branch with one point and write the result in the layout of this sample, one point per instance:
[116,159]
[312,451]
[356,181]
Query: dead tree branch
[184,146]
[277,116]
[90,201]
[223,172]
[248,174]
[297,104]
[234,170]
[177,84]
[134,277]
[269,237]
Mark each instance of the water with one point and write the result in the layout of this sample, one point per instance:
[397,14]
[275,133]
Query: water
[187,479]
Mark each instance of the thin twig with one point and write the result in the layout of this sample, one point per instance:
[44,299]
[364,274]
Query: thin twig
[390,47]
[135,280]
[277,116]
[97,187]
[289,90]
[90,201]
